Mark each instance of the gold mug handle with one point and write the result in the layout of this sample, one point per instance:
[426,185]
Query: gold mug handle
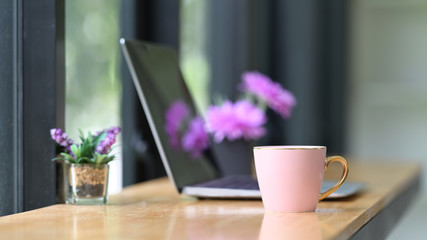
[343,177]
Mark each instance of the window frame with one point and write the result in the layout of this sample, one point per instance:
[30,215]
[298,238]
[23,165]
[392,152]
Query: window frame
[32,74]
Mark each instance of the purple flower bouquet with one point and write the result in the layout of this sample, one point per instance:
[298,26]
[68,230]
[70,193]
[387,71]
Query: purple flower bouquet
[231,121]
[93,149]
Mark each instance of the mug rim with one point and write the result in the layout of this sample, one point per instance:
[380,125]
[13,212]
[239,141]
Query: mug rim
[289,147]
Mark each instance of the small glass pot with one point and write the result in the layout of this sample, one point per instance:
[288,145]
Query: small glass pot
[86,184]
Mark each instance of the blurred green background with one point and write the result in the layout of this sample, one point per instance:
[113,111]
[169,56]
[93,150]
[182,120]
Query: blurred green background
[93,85]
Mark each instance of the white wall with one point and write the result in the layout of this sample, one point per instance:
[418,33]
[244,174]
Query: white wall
[388,81]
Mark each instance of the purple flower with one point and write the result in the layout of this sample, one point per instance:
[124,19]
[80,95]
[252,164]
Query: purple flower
[196,139]
[279,99]
[104,147]
[115,130]
[233,121]
[60,137]
[175,115]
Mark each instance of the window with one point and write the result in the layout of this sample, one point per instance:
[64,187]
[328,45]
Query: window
[31,73]
[93,84]
[193,50]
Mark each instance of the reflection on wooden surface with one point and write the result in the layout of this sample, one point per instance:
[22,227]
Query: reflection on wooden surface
[154,210]
[290,226]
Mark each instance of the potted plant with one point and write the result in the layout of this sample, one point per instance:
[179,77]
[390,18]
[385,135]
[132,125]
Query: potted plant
[86,166]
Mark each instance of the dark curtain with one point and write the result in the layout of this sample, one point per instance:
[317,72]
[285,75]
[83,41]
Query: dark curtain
[301,44]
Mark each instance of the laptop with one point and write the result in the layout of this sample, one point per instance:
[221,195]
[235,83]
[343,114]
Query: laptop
[159,83]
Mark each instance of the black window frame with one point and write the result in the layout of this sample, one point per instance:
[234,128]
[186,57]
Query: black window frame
[32,80]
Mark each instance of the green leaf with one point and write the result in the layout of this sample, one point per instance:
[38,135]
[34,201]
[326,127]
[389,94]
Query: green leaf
[84,160]
[102,158]
[75,150]
[98,158]
[81,135]
[58,158]
[99,138]
[90,138]
[109,159]
[68,157]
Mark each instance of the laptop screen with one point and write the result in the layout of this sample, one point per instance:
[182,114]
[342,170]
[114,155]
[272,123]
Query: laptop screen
[159,83]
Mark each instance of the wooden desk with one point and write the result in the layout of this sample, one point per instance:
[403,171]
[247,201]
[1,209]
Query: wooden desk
[153,210]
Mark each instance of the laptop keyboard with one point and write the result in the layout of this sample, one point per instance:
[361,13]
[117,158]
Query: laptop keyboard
[231,182]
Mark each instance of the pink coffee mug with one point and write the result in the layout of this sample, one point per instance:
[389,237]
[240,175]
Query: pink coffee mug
[290,177]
